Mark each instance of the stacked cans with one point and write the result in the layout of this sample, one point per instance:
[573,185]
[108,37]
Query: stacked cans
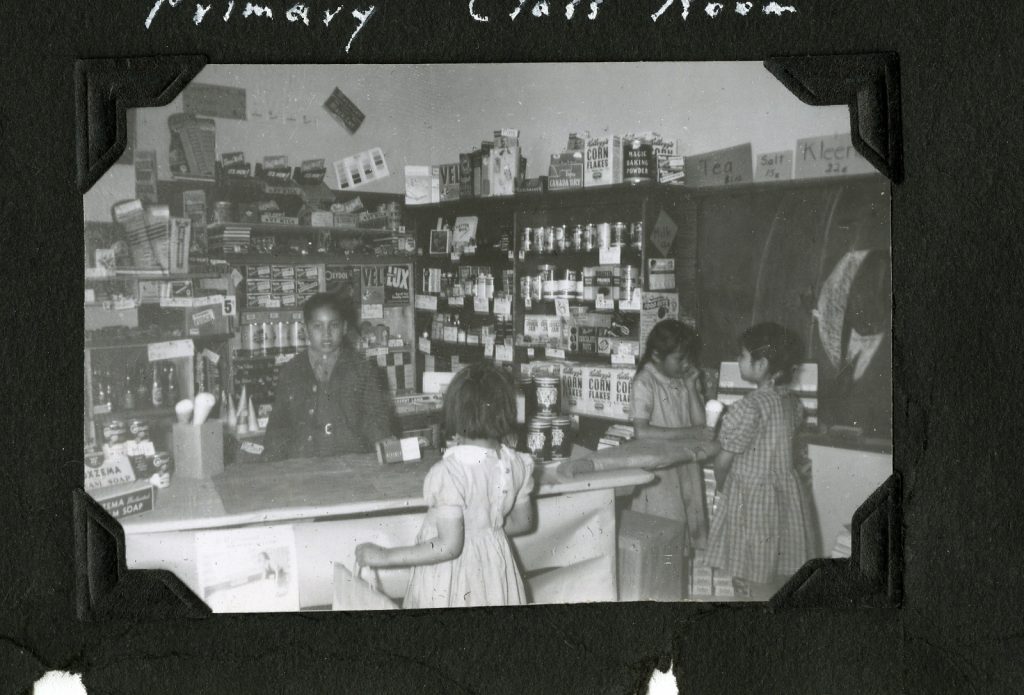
[548,433]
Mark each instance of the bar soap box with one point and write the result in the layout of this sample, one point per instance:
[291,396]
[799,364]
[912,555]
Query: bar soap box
[395,450]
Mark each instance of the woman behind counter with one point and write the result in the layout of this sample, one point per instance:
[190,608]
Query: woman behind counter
[330,399]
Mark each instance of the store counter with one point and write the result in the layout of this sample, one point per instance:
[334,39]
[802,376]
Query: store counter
[353,499]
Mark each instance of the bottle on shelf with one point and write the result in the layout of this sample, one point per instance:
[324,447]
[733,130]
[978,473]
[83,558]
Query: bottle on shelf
[156,388]
[171,392]
[108,381]
[128,392]
[141,387]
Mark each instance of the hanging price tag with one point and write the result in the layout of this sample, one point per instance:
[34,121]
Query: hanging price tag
[373,311]
[529,352]
[282,359]
[377,352]
[503,306]
[457,301]
[488,341]
[511,255]
[604,303]
[427,302]
[555,354]
[522,255]
[611,256]
[481,305]
[170,350]
[456,256]
[502,353]
[211,355]
[424,346]
[251,448]
[623,359]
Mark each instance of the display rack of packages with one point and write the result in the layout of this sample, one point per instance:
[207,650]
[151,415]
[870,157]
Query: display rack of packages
[152,338]
[570,269]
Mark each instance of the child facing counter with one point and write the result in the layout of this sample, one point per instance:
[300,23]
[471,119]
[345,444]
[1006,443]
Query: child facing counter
[477,495]
[759,534]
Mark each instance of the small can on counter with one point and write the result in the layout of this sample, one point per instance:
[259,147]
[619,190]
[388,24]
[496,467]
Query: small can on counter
[561,437]
[93,457]
[538,438]
[139,429]
[163,469]
[547,395]
[115,432]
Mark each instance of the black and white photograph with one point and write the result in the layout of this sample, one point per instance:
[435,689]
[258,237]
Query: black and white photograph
[655,367]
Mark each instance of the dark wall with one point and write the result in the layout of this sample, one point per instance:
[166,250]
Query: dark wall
[814,257]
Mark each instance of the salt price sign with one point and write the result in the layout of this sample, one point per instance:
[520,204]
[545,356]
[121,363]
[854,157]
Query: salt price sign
[829,155]
[774,166]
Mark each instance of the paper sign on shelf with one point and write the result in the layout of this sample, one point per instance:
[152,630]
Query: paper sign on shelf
[170,350]
[252,448]
[555,353]
[424,345]
[211,355]
[610,256]
[623,359]
[427,302]
[502,353]
[373,311]
[457,301]
[604,303]
[376,352]
[282,359]
[481,305]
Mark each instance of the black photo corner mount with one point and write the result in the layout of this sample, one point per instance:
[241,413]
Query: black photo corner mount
[106,88]
[869,84]
[873,575]
[106,589]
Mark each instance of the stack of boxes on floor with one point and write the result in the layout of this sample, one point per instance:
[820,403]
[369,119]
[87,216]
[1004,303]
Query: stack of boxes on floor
[706,581]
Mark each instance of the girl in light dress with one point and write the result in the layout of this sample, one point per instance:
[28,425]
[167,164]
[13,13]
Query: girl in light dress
[759,533]
[667,405]
[478,495]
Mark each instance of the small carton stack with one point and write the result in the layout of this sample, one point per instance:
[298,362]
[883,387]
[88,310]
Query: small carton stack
[615,435]
[709,583]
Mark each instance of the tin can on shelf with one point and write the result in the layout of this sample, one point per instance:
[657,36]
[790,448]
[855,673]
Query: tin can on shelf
[589,237]
[569,279]
[577,238]
[619,234]
[560,241]
[629,282]
[604,236]
[538,239]
[527,240]
[525,283]
[561,437]
[636,235]
[547,395]
[549,239]
[537,288]
[538,438]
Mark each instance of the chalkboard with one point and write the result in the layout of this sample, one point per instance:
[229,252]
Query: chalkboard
[814,257]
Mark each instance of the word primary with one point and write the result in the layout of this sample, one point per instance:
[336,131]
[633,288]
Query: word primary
[255,12]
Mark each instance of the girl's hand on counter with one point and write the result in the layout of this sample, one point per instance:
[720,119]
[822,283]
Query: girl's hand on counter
[568,470]
[370,555]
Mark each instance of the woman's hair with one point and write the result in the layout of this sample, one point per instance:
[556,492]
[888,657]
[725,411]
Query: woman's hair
[669,335]
[342,306]
[776,344]
[480,403]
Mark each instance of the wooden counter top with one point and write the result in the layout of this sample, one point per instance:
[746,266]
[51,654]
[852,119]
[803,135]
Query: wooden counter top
[320,488]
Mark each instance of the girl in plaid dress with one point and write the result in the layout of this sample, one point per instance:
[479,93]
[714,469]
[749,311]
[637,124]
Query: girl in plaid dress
[759,533]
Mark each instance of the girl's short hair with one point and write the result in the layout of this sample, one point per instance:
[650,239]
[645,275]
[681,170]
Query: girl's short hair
[480,403]
[775,343]
[669,335]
